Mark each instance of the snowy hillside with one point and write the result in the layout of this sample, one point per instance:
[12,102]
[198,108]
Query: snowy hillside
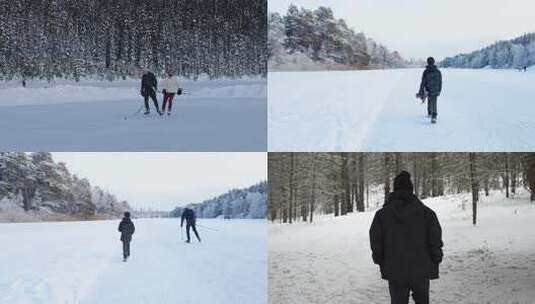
[306,39]
[478,110]
[217,115]
[249,203]
[330,261]
[81,262]
[34,187]
[515,53]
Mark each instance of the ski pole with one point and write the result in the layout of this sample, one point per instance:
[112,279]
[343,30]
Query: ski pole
[207,227]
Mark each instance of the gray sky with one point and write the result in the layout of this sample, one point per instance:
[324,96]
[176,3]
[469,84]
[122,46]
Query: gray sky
[422,28]
[165,180]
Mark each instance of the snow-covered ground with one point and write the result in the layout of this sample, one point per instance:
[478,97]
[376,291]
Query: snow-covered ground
[479,110]
[329,261]
[81,262]
[214,115]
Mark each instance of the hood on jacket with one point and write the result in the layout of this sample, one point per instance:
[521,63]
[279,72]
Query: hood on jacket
[403,204]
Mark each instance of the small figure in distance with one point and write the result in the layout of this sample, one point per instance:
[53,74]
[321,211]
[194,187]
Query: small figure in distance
[126,228]
[430,88]
[189,215]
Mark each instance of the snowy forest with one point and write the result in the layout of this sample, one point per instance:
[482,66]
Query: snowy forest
[34,187]
[304,39]
[517,53]
[72,39]
[303,185]
[249,203]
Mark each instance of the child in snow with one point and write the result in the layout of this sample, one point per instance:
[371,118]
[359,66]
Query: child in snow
[170,88]
[126,228]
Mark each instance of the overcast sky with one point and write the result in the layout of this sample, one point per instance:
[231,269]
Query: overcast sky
[165,180]
[422,28]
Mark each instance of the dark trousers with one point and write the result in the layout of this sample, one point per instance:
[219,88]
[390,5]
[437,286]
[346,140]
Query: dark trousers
[126,249]
[192,226]
[432,106]
[168,97]
[399,291]
[150,93]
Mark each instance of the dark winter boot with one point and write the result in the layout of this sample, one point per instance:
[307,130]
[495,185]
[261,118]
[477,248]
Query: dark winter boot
[433,120]
[147,113]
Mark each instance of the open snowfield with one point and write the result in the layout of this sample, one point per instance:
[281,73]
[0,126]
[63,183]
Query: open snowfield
[215,115]
[478,110]
[81,262]
[330,261]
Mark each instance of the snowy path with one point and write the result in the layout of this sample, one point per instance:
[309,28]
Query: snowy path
[479,110]
[217,116]
[81,263]
[330,261]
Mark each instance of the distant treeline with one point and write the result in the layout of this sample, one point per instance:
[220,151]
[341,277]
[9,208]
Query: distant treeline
[516,53]
[112,38]
[249,203]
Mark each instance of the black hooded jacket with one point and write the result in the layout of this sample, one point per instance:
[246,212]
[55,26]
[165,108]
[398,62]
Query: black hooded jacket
[431,81]
[126,228]
[189,216]
[148,84]
[406,239]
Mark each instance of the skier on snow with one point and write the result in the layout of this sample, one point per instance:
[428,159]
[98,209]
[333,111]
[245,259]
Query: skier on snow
[127,228]
[189,216]
[149,86]
[430,88]
[170,88]
[406,242]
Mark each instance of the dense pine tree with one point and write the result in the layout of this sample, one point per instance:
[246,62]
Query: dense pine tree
[77,38]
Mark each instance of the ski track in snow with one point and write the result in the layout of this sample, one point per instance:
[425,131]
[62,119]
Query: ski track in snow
[479,110]
[330,261]
[219,115]
[82,263]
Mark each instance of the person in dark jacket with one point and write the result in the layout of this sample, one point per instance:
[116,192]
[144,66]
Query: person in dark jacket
[430,87]
[189,216]
[149,87]
[126,228]
[406,242]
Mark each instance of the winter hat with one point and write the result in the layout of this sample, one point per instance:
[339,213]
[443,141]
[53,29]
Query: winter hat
[403,182]
[430,61]
[127,214]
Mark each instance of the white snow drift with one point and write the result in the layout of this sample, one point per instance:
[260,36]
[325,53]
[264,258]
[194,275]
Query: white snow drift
[479,110]
[329,261]
[81,262]
[213,115]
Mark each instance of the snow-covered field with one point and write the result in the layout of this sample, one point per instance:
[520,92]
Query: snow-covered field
[215,115]
[479,110]
[81,262]
[330,261]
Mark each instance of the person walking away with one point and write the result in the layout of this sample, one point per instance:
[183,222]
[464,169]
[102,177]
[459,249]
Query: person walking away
[170,88]
[431,86]
[149,87]
[406,243]
[126,228]
[189,215]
